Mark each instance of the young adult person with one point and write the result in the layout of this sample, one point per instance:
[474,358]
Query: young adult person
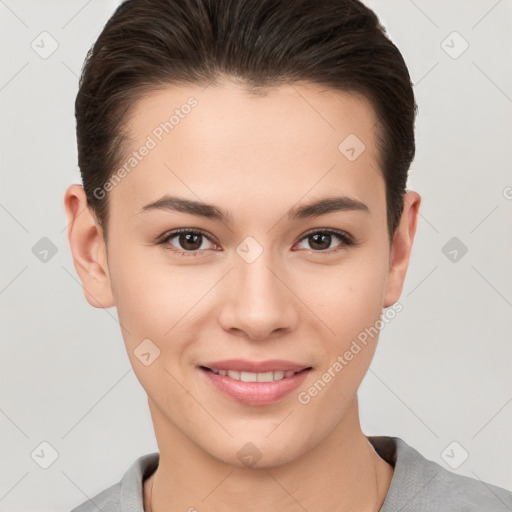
[244,207]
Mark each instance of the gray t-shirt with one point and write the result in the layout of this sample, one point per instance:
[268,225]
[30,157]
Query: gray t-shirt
[418,485]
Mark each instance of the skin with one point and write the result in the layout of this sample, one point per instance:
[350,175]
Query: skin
[255,157]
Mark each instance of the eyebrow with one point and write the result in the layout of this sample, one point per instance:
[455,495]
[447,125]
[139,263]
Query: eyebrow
[209,211]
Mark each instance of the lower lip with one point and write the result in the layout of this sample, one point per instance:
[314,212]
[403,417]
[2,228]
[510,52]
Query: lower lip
[255,393]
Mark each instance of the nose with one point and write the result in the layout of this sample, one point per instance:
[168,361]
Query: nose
[258,301]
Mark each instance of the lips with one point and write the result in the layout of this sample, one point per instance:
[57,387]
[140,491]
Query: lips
[255,383]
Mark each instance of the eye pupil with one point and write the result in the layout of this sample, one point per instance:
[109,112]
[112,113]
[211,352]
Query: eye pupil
[190,241]
[319,240]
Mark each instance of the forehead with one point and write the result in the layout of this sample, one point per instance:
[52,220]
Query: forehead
[243,146]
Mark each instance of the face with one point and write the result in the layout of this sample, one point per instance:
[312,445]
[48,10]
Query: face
[257,272]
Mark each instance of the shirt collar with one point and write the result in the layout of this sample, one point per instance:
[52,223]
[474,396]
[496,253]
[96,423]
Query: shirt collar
[412,472]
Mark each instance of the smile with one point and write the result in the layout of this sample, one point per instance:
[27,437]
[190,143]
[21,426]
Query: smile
[254,388]
[254,377]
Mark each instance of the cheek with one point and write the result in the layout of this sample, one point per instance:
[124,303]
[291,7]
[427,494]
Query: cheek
[351,306]
[148,297]
[349,297]
[148,294]
[149,303]
[157,301]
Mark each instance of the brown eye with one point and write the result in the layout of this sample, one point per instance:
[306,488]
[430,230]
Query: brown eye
[320,241]
[188,240]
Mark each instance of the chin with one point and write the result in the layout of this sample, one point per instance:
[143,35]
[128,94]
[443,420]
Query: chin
[257,451]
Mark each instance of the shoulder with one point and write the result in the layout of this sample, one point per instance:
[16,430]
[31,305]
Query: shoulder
[419,484]
[126,494]
[454,492]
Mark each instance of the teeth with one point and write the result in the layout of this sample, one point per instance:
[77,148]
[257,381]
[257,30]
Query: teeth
[248,376]
[267,377]
[255,377]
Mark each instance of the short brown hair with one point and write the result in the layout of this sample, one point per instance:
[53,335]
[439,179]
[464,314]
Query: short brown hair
[147,44]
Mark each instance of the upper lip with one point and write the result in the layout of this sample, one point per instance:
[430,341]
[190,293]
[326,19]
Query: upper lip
[242,365]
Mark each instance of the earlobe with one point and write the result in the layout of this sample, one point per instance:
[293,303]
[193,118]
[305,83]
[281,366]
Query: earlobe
[402,247]
[87,248]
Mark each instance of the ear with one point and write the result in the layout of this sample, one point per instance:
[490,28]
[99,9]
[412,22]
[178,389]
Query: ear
[401,247]
[88,248]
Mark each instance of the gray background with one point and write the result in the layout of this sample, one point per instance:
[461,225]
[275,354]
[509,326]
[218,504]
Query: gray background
[442,369]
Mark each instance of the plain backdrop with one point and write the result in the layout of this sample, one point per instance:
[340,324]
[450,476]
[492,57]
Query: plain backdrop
[441,378]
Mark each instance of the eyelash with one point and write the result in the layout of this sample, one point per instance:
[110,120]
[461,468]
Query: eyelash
[346,240]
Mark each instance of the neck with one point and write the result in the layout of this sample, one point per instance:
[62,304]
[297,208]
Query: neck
[342,473]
